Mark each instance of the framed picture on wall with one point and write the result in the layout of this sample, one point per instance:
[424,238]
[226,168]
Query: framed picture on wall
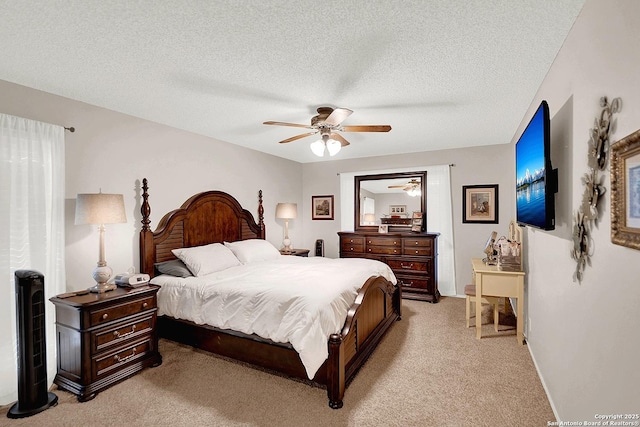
[322,207]
[625,191]
[397,210]
[480,204]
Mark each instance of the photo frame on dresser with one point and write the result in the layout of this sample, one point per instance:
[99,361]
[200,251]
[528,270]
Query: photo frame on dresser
[625,191]
[480,204]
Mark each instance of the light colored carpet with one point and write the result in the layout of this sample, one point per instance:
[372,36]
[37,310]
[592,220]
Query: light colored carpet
[428,371]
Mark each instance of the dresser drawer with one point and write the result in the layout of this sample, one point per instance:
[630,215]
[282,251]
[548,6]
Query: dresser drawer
[121,332]
[384,241]
[350,247]
[414,282]
[352,240]
[386,250]
[99,317]
[409,265]
[417,251]
[106,363]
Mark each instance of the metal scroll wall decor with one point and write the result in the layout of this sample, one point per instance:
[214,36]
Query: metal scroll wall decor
[587,214]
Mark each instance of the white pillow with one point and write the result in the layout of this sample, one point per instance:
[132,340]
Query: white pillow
[207,259]
[253,250]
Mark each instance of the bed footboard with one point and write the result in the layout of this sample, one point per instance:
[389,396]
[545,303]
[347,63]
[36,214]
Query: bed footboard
[376,307]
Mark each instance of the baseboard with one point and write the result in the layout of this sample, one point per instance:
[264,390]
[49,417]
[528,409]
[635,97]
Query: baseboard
[544,384]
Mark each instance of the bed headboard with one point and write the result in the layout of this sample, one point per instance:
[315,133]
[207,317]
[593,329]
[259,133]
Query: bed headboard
[209,217]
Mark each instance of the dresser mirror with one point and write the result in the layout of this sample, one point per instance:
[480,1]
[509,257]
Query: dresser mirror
[389,198]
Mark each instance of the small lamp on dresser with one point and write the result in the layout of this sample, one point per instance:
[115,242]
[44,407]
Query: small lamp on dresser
[370,218]
[100,209]
[286,211]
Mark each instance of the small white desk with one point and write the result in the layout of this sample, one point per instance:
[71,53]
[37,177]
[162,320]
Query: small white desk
[491,281]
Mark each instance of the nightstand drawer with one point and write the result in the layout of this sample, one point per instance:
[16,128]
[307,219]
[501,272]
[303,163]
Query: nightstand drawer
[99,317]
[106,337]
[104,364]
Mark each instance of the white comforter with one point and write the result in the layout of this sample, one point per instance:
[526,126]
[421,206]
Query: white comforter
[292,299]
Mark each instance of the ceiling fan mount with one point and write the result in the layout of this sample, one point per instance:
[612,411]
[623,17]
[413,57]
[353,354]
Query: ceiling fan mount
[328,122]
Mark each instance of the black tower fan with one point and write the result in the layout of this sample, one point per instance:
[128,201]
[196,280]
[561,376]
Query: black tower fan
[33,396]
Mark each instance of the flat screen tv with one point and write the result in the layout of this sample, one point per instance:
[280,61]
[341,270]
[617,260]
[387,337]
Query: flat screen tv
[536,180]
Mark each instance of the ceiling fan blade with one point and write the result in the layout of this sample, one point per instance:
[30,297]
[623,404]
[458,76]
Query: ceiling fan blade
[337,116]
[340,138]
[366,128]
[293,138]
[296,125]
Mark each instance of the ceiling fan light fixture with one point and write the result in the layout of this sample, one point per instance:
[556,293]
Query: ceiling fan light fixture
[317,147]
[413,192]
[333,147]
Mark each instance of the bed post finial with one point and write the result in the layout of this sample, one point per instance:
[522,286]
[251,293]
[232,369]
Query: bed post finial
[261,214]
[145,209]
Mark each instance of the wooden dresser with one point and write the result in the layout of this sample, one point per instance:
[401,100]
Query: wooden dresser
[411,256]
[105,338]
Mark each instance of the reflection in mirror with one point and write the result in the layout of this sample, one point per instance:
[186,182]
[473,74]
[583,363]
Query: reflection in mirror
[388,199]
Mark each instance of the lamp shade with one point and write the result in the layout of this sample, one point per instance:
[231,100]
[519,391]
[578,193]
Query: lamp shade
[287,210]
[369,217]
[100,208]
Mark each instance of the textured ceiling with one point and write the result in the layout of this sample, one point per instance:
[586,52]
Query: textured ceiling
[442,73]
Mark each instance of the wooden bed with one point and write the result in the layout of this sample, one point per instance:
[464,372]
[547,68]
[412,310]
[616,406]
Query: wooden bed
[215,217]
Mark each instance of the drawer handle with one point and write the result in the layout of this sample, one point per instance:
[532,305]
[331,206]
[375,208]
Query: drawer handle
[351,249]
[395,243]
[124,359]
[395,251]
[351,241]
[104,316]
[145,304]
[416,242]
[406,267]
[417,251]
[117,334]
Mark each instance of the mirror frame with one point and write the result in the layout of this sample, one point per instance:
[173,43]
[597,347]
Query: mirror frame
[356,202]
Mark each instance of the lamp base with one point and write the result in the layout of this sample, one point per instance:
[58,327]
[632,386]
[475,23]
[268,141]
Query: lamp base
[101,274]
[101,288]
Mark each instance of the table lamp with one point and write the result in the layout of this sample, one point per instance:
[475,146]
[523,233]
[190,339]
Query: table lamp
[100,209]
[370,218]
[286,211]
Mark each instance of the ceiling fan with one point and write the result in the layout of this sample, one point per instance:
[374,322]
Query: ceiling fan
[328,123]
[412,187]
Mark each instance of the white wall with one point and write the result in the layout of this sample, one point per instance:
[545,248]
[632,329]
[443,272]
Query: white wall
[584,336]
[113,152]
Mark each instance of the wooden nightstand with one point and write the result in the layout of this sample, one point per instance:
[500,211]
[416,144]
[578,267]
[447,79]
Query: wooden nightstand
[105,338]
[296,252]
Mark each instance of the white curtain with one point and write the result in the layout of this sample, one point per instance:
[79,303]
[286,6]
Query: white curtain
[32,231]
[439,215]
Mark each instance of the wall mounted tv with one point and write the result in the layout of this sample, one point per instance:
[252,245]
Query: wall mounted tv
[536,180]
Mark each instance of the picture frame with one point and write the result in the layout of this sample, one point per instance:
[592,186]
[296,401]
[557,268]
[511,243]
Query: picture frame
[417,221]
[625,191]
[322,207]
[383,229]
[480,204]
[397,210]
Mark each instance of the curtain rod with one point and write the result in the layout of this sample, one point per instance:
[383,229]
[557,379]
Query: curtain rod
[70,129]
